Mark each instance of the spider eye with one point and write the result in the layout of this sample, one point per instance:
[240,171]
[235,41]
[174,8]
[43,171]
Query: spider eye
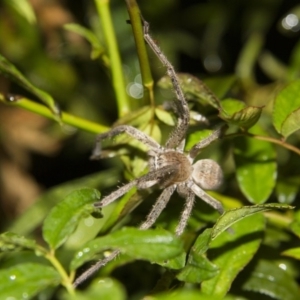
[207,174]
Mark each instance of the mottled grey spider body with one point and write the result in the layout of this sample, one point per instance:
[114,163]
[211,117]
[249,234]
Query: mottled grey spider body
[169,167]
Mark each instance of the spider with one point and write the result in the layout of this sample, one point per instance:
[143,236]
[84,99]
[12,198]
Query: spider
[169,167]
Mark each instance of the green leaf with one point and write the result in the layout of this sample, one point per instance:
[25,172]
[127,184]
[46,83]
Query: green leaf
[24,8]
[10,241]
[151,245]
[234,215]
[243,243]
[9,70]
[231,106]
[105,288]
[293,252]
[286,109]
[97,49]
[24,281]
[174,263]
[136,118]
[198,267]
[164,116]
[255,167]
[36,214]
[198,270]
[196,137]
[291,123]
[287,189]
[64,217]
[235,112]
[221,85]
[295,225]
[269,279]
[193,88]
[182,295]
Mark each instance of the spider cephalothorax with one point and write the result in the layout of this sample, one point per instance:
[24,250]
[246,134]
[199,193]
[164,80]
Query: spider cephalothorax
[169,167]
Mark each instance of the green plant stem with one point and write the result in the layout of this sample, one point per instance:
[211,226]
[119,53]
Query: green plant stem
[248,57]
[66,118]
[66,281]
[137,28]
[115,60]
[267,139]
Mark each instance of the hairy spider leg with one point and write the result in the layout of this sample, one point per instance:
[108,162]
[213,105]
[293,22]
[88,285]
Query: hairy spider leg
[93,269]
[187,210]
[179,132]
[207,198]
[152,217]
[165,196]
[195,150]
[132,131]
[143,182]
[158,207]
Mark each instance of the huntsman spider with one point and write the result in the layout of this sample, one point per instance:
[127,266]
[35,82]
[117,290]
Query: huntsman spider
[169,167]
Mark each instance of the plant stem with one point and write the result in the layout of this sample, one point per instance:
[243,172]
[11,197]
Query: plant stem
[113,52]
[275,141]
[45,111]
[136,22]
[267,139]
[66,281]
[248,57]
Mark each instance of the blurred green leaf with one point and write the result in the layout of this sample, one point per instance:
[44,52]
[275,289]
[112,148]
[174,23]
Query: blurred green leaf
[164,116]
[104,289]
[40,209]
[287,189]
[10,241]
[97,49]
[154,131]
[136,118]
[221,85]
[269,279]
[293,252]
[294,65]
[24,281]
[295,225]
[24,8]
[182,295]
[65,216]
[151,245]
[9,70]
[286,109]
[256,168]
[243,242]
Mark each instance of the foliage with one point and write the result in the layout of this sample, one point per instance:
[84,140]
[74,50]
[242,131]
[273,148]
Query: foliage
[251,250]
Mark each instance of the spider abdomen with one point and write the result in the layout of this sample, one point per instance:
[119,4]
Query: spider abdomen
[207,174]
